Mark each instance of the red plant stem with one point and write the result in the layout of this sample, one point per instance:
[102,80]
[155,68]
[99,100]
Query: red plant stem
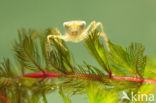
[4,99]
[90,77]
[42,75]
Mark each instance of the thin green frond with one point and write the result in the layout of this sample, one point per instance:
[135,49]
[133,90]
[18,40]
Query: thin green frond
[65,98]
[96,48]
[130,61]
[27,52]
[33,54]
[97,93]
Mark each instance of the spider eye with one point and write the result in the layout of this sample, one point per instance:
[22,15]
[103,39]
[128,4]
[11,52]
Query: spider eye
[82,26]
[66,26]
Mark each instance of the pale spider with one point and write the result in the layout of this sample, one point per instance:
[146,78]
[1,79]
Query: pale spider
[75,32]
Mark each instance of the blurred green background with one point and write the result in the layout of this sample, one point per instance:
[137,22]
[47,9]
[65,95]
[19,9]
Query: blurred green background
[124,21]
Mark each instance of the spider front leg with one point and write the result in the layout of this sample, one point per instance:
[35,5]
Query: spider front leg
[55,37]
[94,26]
[103,34]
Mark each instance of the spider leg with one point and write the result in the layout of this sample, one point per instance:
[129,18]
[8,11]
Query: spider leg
[99,24]
[92,24]
[58,32]
[56,37]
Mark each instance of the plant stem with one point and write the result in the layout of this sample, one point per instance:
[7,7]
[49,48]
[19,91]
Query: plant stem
[90,77]
[4,99]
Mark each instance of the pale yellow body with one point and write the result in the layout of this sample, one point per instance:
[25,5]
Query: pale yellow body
[75,32]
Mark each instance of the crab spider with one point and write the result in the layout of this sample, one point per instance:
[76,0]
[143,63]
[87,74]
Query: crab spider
[75,32]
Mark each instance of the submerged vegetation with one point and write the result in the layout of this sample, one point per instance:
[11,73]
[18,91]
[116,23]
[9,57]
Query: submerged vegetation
[40,71]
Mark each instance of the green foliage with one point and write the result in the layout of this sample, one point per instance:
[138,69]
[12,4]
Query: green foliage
[97,50]
[27,52]
[150,70]
[33,54]
[65,98]
[98,93]
[129,61]
[144,89]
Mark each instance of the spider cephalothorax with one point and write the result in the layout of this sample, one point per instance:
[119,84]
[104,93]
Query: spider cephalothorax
[74,28]
[76,31]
